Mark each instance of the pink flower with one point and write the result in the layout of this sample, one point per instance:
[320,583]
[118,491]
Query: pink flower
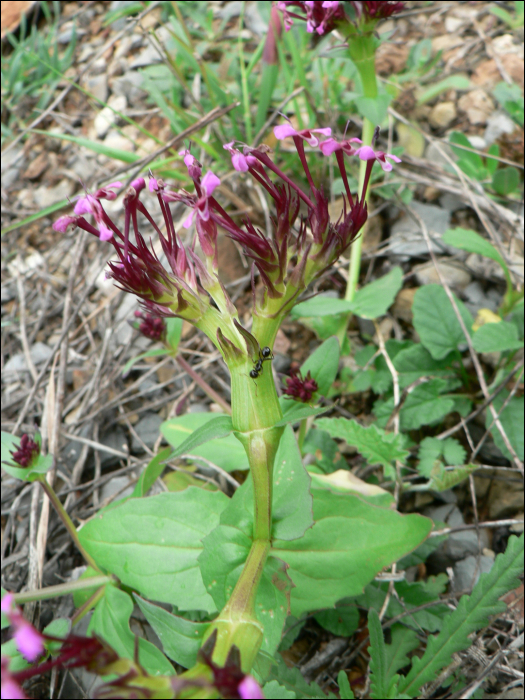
[368,153]
[90,204]
[193,165]
[28,640]
[209,182]
[284,130]
[249,688]
[331,145]
[240,161]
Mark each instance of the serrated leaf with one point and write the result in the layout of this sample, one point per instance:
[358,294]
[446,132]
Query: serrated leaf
[472,614]
[379,680]
[436,323]
[442,479]
[512,422]
[404,640]
[453,452]
[160,534]
[429,452]
[345,691]
[344,480]
[375,298]
[181,638]
[350,542]
[496,337]
[206,435]
[374,444]
[323,364]
[424,405]
[292,680]
[274,691]
[110,620]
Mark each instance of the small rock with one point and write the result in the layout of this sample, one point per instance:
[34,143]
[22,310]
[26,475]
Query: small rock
[107,117]
[406,238]
[198,408]
[459,544]
[116,439]
[402,307]
[148,430]
[442,115]
[476,298]
[436,153]
[451,202]
[118,141]
[455,275]
[39,353]
[129,85]
[483,267]
[468,570]
[498,123]
[505,499]
[98,86]
[477,105]
[119,484]
[46,196]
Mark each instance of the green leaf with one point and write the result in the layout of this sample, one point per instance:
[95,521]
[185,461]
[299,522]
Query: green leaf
[511,421]
[173,332]
[222,560]
[436,323]
[492,163]
[374,108]
[473,613]
[349,543]
[431,449]
[110,620]
[325,450]
[415,361]
[181,638]
[156,352]
[377,446]
[496,337]
[379,679]
[453,452]
[152,544]
[274,691]
[190,434]
[442,479]
[321,306]
[292,501]
[292,680]
[404,640]
[295,411]
[345,691]
[343,620]
[323,364]
[152,472]
[375,298]
[469,240]
[423,406]
[453,82]
[469,162]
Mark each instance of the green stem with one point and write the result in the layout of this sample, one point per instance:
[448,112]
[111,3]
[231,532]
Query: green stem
[303,427]
[68,523]
[62,589]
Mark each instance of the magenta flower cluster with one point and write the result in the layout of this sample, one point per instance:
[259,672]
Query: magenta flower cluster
[298,250]
[322,16]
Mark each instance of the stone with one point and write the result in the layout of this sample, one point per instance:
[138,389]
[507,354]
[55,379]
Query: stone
[468,570]
[107,117]
[39,353]
[459,544]
[148,430]
[476,298]
[442,115]
[477,105]
[402,307]
[454,274]
[406,239]
[117,440]
[498,123]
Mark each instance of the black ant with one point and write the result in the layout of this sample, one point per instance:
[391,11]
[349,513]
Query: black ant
[264,354]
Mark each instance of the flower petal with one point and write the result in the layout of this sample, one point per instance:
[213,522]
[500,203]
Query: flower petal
[209,182]
[283,131]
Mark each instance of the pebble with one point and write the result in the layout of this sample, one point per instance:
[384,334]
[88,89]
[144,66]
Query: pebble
[406,239]
[468,570]
[39,353]
[148,430]
[455,275]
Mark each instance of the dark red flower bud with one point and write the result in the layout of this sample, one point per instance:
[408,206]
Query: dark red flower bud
[300,388]
[151,326]
[27,452]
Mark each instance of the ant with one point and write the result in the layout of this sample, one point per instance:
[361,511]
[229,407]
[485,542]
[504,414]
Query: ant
[264,354]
